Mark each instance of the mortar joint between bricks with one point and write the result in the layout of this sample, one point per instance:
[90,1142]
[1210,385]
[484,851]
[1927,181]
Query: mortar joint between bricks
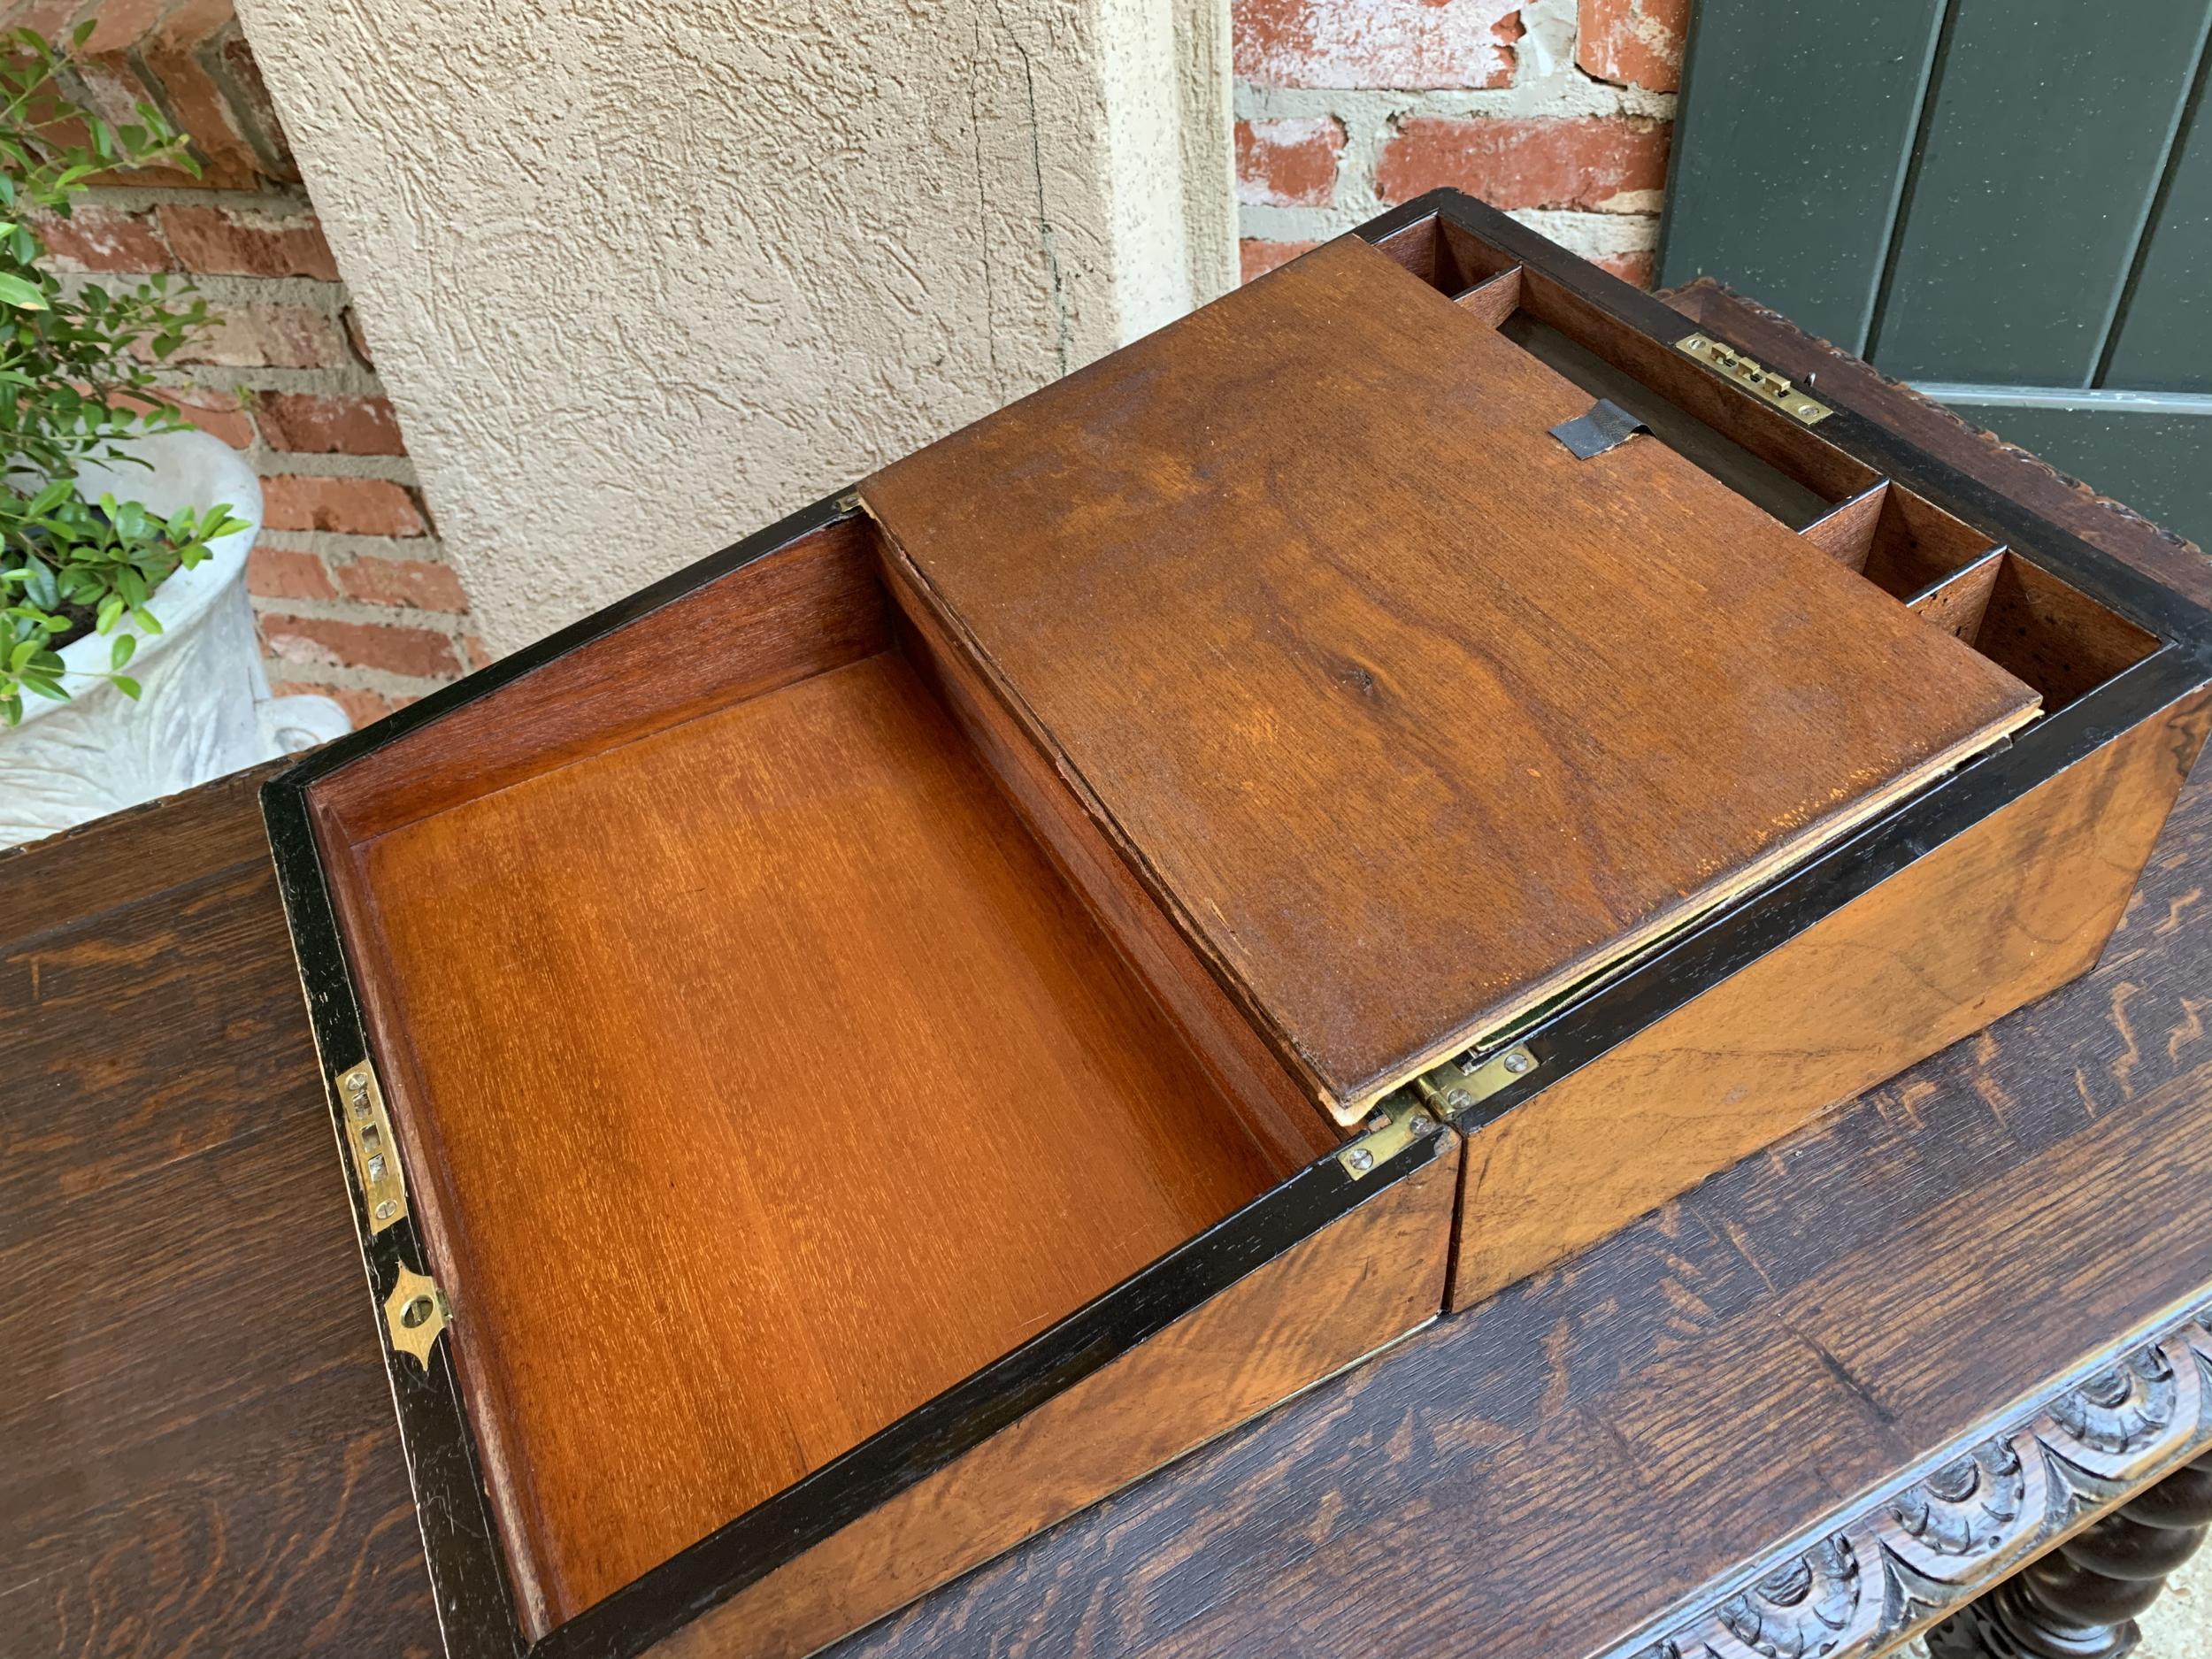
[450,627]
[350,380]
[345,546]
[453,627]
[283,201]
[222,289]
[389,469]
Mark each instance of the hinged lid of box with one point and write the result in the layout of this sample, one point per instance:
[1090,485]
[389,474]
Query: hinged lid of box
[1306,584]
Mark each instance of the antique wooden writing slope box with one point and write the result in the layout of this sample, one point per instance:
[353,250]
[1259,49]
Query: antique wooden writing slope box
[865,1047]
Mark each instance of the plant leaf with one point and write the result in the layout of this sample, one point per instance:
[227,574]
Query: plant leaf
[40,587]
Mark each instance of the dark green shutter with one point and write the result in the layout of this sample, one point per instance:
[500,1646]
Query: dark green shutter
[2008,203]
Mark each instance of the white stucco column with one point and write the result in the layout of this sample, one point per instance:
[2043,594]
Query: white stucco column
[640,275]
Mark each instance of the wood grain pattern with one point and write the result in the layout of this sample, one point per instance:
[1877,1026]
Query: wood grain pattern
[1855,1295]
[1958,602]
[1494,299]
[1568,1468]
[1360,1283]
[773,1082]
[1917,544]
[200,1450]
[2052,1472]
[1779,494]
[1565,1467]
[1269,1099]
[1250,672]
[1999,914]
[1846,532]
[805,608]
[2053,636]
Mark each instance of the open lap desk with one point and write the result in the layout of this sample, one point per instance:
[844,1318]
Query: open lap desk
[1736,1389]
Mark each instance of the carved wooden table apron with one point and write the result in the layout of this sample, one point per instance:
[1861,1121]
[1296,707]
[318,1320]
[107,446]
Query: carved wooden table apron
[1818,1404]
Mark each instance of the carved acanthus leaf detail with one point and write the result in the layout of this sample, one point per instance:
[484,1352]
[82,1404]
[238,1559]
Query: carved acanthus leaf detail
[1967,1506]
[2121,1411]
[1911,1557]
[1801,1609]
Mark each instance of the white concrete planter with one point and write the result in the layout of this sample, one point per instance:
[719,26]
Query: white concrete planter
[205,709]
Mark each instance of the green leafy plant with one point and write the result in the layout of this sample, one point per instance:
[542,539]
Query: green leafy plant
[76,378]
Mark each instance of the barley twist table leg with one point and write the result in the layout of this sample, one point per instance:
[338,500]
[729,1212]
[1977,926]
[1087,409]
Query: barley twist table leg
[2080,1601]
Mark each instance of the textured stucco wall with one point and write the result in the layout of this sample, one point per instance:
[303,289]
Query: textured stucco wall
[641,277]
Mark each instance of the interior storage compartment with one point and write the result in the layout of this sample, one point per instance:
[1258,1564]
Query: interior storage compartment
[2052,635]
[1759,451]
[766,1078]
[1764,485]
[1900,542]
[1996,599]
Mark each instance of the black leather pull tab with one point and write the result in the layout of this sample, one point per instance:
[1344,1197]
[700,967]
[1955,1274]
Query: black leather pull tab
[1607,425]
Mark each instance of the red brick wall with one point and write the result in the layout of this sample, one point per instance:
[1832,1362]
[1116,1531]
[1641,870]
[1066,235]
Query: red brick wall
[351,586]
[1557,110]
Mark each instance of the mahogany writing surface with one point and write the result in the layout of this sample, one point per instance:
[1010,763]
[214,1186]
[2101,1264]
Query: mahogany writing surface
[773,1082]
[1410,718]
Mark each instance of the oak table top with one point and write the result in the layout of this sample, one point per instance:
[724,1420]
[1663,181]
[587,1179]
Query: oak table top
[200,1455]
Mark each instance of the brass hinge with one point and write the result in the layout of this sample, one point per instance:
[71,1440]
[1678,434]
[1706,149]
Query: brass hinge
[375,1154]
[1436,1097]
[1400,1120]
[414,1313]
[1456,1086]
[1754,376]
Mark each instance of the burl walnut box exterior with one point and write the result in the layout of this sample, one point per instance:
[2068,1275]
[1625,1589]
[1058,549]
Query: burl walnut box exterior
[867,1047]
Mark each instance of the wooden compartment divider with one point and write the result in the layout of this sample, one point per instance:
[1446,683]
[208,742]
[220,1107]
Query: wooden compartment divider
[2056,637]
[1846,532]
[1954,576]
[1957,602]
[1495,299]
[1916,545]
